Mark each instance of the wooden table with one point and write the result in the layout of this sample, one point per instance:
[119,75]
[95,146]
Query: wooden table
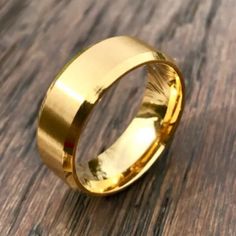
[192,189]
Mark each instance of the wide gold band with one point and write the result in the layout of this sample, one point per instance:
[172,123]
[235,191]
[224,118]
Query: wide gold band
[76,91]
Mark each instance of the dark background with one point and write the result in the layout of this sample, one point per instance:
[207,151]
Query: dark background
[192,189]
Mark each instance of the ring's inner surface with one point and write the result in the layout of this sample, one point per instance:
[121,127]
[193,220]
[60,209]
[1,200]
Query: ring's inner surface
[129,127]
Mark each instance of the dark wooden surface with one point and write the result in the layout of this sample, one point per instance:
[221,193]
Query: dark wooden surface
[192,189]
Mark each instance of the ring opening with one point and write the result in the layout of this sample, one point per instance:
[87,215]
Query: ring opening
[129,127]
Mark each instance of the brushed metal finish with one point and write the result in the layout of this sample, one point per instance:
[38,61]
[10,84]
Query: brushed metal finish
[77,90]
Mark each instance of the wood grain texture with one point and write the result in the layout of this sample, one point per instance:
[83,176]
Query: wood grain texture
[192,189]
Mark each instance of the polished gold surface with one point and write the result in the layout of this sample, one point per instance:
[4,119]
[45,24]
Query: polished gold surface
[75,92]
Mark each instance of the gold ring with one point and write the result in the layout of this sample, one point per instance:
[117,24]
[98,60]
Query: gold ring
[73,96]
